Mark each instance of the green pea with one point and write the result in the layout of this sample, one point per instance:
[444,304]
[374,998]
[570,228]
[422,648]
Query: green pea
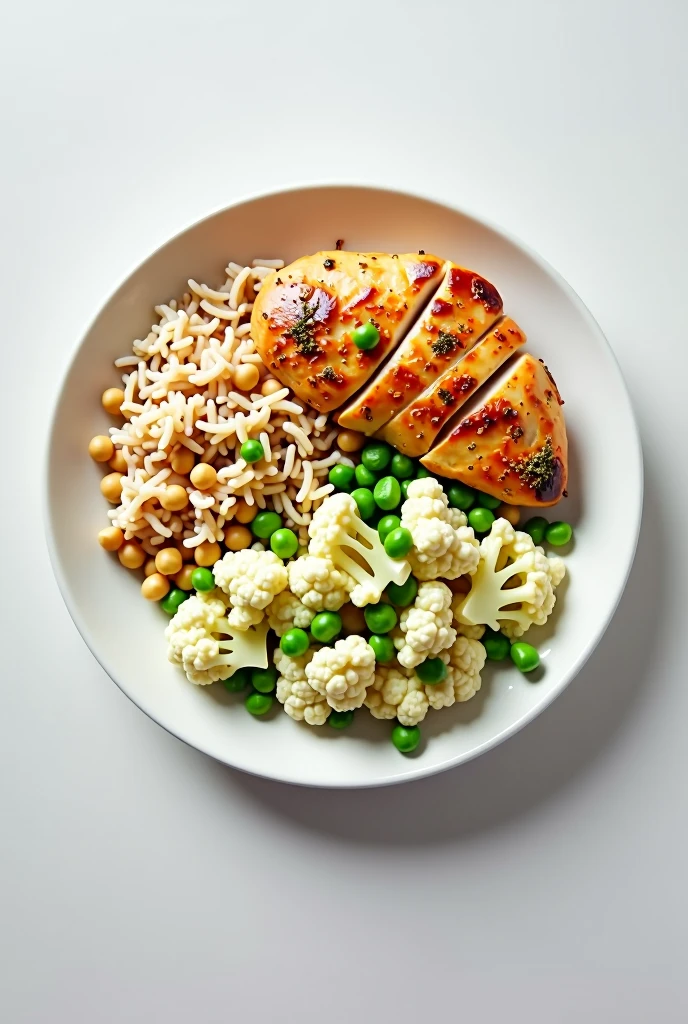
[481,519]
[364,477]
[386,525]
[265,524]
[403,594]
[258,703]
[406,739]
[325,626]
[558,534]
[405,487]
[252,451]
[263,679]
[366,336]
[284,542]
[524,657]
[402,466]
[422,472]
[387,493]
[461,496]
[238,681]
[536,527]
[365,501]
[202,579]
[294,642]
[342,477]
[398,543]
[174,598]
[380,618]
[383,647]
[496,645]
[376,456]
[487,501]
[341,719]
[431,671]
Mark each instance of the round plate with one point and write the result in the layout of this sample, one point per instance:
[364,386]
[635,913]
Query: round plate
[125,632]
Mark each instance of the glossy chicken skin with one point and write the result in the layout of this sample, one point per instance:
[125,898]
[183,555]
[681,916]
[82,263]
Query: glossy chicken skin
[463,308]
[511,442]
[414,430]
[304,314]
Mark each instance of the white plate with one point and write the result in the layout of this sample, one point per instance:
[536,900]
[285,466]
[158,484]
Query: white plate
[125,632]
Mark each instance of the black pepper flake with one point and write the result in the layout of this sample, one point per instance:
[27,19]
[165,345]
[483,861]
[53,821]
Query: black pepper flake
[329,264]
[363,265]
[445,396]
[515,432]
[265,316]
[340,243]
[472,446]
[471,468]
[367,412]
[421,252]
[329,373]
[279,281]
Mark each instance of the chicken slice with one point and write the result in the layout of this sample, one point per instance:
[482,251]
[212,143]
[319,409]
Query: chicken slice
[304,314]
[414,430]
[511,442]
[463,308]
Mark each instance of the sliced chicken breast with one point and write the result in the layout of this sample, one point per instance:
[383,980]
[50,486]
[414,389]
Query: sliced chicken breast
[304,314]
[463,308]
[414,430]
[511,439]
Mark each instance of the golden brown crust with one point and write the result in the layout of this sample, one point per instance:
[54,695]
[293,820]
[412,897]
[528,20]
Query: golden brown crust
[304,314]
[512,442]
[414,430]
[463,308]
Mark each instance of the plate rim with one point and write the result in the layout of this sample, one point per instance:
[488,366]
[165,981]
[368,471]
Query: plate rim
[634,449]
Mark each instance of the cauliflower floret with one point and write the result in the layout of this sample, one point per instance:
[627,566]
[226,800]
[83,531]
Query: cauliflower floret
[300,700]
[285,611]
[343,673]
[425,628]
[319,584]
[251,579]
[205,656]
[466,661]
[397,692]
[513,588]
[443,545]
[338,534]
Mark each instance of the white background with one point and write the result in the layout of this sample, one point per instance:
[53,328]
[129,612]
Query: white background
[545,882]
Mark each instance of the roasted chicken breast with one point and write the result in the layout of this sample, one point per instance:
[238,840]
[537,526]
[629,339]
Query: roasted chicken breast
[304,314]
[511,439]
[414,430]
[463,308]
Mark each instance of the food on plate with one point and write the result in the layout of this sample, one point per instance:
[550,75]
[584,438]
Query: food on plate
[463,308]
[510,441]
[329,572]
[323,324]
[414,430]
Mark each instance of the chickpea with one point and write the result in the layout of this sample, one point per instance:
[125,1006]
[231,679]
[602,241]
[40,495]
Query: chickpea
[111,487]
[246,376]
[245,513]
[350,440]
[271,386]
[183,577]
[100,448]
[168,561]
[112,401]
[353,619]
[182,462]
[207,553]
[131,555]
[203,476]
[118,463]
[186,553]
[155,587]
[175,498]
[508,512]
[237,538]
[149,567]
[111,538]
